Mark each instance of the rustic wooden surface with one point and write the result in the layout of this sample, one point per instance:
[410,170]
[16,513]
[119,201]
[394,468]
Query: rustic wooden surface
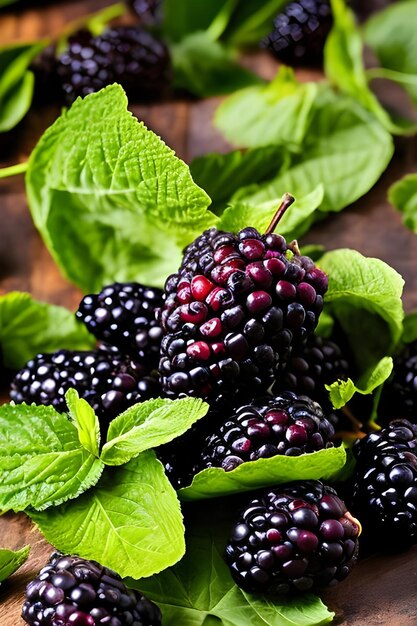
[382,590]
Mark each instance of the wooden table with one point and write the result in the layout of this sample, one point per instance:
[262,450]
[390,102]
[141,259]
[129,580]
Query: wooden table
[382,589]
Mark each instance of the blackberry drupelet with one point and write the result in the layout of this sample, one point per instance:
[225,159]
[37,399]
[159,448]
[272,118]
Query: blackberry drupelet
[298,537]
[128,55]
[399,395]
[284,425]
[109,382]
[73,591]
[123,315]
[321,362]
[300,32]
[234,310]
[384,488]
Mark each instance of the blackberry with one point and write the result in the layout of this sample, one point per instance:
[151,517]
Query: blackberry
[109,382]
[319,363]
[71,590]
[146,10]
[300,32]
[234,310]
[384,488]
[128,55]
[399,395]
[284,425]
[298,537]
[123,315]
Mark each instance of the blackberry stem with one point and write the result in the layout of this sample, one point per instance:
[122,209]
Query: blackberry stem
[287,200]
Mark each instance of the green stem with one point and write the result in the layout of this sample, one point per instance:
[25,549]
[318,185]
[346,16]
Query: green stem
[13,170]
[222,19]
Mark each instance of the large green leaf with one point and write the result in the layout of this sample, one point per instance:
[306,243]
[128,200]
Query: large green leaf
[131,521]
[110,199]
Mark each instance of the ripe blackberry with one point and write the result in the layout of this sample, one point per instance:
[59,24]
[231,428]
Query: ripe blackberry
[109,382]
[128,55]
[146,10]
[234,310]
[321,362]
[73,591]
[399,395]
[284,425]
[300,32]
[123,315]
[384,489]
[297,537]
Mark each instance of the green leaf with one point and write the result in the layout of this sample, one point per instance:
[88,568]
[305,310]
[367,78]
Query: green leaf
[28,327]
[365,297]
[131,521]
[200,591]
[11,561]
[251,21]
[182,17]
[41,460]
[85,421]
[276,113]
[110,199]
[410,328]
[204,67]
[403,195]
[148,425]
[16,82]
[340,392]
[295,222]
[345,149]
[215,481]
[222,175]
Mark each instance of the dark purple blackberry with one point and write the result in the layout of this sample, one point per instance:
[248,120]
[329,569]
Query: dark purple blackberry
[284,425]
[127,55]
[384,489]
[234,310]
[123,315]
[399,395]
[300,32]
[109,382]
[146,10]
[321,362]
[298,537]
[70,591]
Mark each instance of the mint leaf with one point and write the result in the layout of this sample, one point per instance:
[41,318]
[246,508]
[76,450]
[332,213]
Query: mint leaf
[199,590]
[11,561]
[403,196]
[296,220]
[222,175]
[276,113]
[345,149]
[204,67]
[41,460]
[28,327]
[410,328]
[85,421]
[340,392]
[365,297]
[148,425]
[110,199]
[131,521]
[215,481]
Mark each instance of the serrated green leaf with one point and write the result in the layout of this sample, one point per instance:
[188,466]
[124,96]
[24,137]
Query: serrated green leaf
[28,327]
[41,460]
[148,425]
[345,149]
[340,392]
[365,297]
[277,113]
[294,223]
[11,561]
[215,481]
[85,421]
[110,199]
[403,196]
[200,591]
[131,521]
